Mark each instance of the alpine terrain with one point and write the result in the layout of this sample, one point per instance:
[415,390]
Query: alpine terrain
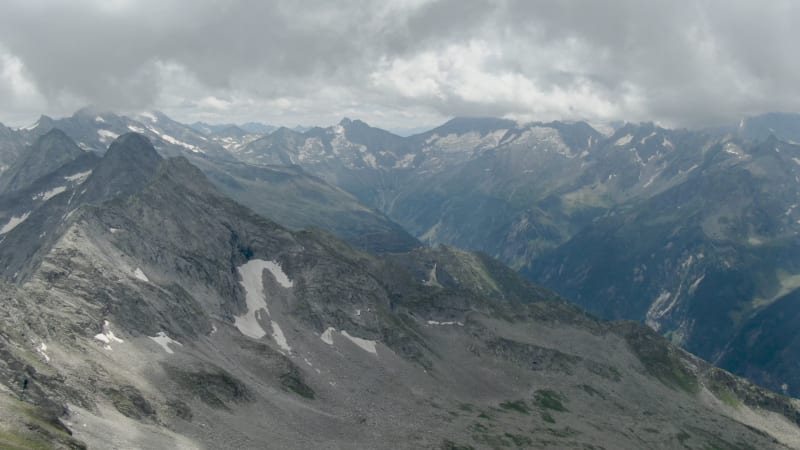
[144,307]
[693,232]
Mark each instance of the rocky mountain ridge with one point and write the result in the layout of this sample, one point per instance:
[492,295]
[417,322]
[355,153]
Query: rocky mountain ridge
[159,313]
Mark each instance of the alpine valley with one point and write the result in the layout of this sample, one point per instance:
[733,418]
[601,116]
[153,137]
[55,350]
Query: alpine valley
[204,286]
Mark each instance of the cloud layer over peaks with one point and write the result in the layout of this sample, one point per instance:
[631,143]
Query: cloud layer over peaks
[402,63]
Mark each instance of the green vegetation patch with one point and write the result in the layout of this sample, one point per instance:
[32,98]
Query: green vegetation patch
[592,391]
[550,399]
[478,427]
[294,383]
[659,359]
[180,409]
[492,440]
[563,432]
[520,440]
[487,415]
[13,441]
[718,386]
[35,427]
[450,445]
[130,402]
[213,387]
[516,405]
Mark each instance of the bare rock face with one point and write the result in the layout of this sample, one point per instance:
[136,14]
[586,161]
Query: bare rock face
[50,151]
[155,312]
[693,232]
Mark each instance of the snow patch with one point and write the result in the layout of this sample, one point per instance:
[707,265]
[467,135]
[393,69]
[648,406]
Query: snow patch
[369,158]
[253,285]
[99,119]
[434,322]
[41,349]
[45,196]
[365,344]
[327,335]
[650,181]
[279,337]
[140,275]
[135,129]
[163,340]
[106,135]
[696,283]
[280,276]
[733,150]
[107,336]
[31,127]
[624,140]
[149,116]
[13,222]
[185,145]
[432,280]
[405,162]
[658,309]
[79,177]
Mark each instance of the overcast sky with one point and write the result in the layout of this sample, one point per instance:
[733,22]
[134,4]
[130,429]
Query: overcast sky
[402,63]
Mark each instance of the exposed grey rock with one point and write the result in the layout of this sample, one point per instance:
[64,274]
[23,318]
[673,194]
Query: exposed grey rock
[139,301]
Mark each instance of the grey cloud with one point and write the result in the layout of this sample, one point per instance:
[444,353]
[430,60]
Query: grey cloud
[679,62]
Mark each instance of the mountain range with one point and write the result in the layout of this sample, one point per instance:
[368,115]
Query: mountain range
[690,231]
[169,287]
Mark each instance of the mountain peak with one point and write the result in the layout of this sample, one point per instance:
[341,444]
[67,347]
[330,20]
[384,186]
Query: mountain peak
[130,162]
[44,122]
[481,125]
[356,124]
[55,140]
[49,152]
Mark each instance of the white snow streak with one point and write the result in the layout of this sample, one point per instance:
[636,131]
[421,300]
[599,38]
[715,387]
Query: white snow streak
[327,335]
[140,275]
[149,116]
[253,284]
[365,344]
[624,140]
[13,222]
[79,177]
[434,322]
[279,337]
[107,336]
[106,135]
[41,350]
[163,340]
[185,145]
[45,196]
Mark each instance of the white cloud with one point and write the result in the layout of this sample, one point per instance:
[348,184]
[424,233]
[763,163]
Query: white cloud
[401,63]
